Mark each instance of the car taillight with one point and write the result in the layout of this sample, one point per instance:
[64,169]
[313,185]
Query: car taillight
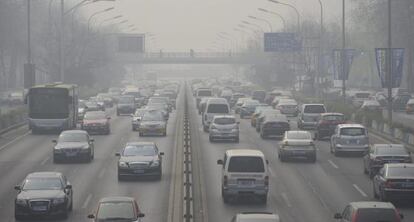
[225,180]
[389,184]
[354,216]
[266,182]
[323,122]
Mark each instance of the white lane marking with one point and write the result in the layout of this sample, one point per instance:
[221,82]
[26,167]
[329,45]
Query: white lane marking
[333,164]
[102,173]
[85,204]
[14,140]
[286,199]
[45,160]
[360,190]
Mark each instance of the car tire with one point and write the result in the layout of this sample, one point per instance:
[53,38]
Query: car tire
[371,174]
[224,196]
[374,191]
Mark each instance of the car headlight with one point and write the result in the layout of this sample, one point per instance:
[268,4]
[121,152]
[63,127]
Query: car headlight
[21,202]
[213,127]
[85,147]
[235,130]
[155,163]
[58,201]
[123,164]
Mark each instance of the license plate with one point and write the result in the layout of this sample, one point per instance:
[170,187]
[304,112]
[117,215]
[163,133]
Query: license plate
[71,154]
[138,171]
[246,182]
[39,208]
[299,152]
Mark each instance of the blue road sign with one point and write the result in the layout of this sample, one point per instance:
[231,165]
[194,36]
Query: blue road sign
[282,42]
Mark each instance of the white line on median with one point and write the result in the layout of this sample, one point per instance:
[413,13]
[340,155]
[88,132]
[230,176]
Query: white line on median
[360,190]
[286,199]
[333,164]
[45,160]
[14,140]
[85,204]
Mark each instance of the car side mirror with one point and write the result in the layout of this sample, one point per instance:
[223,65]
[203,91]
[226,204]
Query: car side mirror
[18,187]
[238,122]
[401,216]
[91,216]
[117,154]
[91,140]
[267,161]
[141,215]
[68,186]
[108,118]
[162,153]
[338,216]
[220,162]
[54,141]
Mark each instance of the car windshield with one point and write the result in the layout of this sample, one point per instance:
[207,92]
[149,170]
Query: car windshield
[299,136]
[376,215]
[47,183]
[224,121]
[73,137]
[218,108]
[333,118]
[139,150]
[116,211]
[140,112]
[314,109]
[152,116]
[94,115]
[400,172]
[391,151]
[246,164]
[353,131]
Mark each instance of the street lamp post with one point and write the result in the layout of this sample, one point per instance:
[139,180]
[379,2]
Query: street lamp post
[291,6]
[318,77]
[343,52]
[389,64]
[95,14]
[109,19]
[263,20]
[276,14]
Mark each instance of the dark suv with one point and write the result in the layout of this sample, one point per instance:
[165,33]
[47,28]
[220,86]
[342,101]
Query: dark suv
[43,194]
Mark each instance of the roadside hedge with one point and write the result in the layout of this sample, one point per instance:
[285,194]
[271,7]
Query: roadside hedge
[13,117]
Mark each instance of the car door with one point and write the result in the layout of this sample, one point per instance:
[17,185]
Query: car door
[367,158]
[334,136]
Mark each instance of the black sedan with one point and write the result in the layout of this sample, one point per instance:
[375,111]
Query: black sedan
[43,194]
[395,181]
[73,145]
[274,126]
[380,154]
[140,159]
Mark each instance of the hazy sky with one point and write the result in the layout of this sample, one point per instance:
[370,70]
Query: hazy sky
[179,25]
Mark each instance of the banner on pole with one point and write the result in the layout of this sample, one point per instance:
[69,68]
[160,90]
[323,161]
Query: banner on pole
[397,64]
[340,72]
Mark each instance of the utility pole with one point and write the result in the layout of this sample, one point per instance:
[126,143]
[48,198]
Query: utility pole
[29,68]
[61,42]
[389,65]
[343,52]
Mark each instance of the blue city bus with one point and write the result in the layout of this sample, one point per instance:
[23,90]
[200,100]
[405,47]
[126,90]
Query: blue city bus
[52,107]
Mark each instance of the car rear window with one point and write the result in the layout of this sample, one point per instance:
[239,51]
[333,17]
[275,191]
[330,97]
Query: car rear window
[224,121]
[218,108]
[299,135]
[400,172]
[204,93]
[246,164]
[333,118]
[314,109]
[353,131]
[376,214]
[391,151]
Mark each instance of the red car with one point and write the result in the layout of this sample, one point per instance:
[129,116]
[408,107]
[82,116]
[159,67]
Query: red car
[327,124]
[117,208]
[96,122]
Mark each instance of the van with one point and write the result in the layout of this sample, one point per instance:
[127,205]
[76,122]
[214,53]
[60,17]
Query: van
[202,92]
[244,172]
[309,115]
[214,106]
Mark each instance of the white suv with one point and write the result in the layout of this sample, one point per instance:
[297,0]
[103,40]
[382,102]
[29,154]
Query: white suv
[244,172]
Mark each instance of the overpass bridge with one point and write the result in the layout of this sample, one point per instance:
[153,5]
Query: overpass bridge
[195,58]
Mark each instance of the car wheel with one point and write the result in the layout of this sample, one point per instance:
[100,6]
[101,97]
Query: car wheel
[224,196]
[159,175]
[365,168]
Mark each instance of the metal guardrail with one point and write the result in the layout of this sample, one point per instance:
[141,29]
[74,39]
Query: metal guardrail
[12,127]
[188,210]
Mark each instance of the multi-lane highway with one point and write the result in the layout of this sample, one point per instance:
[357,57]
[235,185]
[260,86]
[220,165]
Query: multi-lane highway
[22,153]
[299,191]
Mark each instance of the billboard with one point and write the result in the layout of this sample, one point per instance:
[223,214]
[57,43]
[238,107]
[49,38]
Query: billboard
[282,42]
[338,61]
[131,43]
[382,56]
